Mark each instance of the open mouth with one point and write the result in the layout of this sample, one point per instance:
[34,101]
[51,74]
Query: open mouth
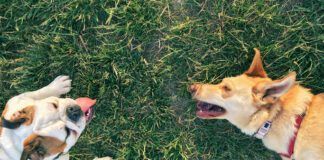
[89,114]
[206,110]
[86,105]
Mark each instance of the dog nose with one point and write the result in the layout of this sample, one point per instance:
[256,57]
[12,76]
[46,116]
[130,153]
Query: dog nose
[74,113]
[193,88]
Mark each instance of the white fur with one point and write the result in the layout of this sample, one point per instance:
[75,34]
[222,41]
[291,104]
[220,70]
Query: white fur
[47,121]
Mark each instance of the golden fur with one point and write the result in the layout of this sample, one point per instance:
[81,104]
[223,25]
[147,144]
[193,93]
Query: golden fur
[252,98]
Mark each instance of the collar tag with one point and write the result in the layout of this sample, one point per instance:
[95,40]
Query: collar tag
[263,130]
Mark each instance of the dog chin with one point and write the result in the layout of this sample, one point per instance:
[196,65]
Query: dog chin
[77,127]
[201,115]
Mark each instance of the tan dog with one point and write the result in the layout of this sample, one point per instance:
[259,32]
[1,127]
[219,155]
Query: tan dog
[39,125]
[286,116]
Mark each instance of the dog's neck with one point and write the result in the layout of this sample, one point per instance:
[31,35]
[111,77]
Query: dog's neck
[282,115]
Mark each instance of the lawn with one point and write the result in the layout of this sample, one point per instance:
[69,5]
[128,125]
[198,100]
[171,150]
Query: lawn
[138,57]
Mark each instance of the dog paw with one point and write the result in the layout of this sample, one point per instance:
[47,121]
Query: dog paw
[60,85]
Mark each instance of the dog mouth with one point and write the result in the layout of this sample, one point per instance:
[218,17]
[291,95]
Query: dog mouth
[86,105]
[207,111]
[88,113]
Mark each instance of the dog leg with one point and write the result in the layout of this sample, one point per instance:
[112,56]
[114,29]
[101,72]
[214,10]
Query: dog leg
[60,85]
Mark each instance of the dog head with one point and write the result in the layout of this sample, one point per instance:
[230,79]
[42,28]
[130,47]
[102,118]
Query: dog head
[238,98]
[75,113]
[49,127]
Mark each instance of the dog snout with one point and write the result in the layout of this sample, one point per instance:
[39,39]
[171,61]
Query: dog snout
[193,88]
[74,113]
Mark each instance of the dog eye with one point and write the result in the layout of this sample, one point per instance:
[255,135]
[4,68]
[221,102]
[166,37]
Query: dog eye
[54,105]
[226,88]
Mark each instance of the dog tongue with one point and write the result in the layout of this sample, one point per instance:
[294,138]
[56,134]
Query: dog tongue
[85,103]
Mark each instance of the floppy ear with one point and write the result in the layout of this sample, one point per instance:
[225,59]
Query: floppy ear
[22,117]
[256,67]
[277,88]
[38,147]
[33,149]
[12,124]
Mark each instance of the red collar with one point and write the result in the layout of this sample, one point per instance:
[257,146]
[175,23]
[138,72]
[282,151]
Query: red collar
[291,146]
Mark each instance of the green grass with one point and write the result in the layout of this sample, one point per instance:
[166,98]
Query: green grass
[138,57]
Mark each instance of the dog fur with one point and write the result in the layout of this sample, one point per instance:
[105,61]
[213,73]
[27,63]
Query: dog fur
[252,98]
[35,124]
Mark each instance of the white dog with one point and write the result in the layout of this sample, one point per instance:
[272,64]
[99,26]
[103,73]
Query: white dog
[40,125]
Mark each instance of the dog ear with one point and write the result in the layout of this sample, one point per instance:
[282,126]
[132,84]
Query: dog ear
[277,88]
[38,147]
[33,148]
[22,117]
[12,124]
[256,67]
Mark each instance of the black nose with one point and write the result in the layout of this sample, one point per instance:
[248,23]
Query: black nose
[74,113]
